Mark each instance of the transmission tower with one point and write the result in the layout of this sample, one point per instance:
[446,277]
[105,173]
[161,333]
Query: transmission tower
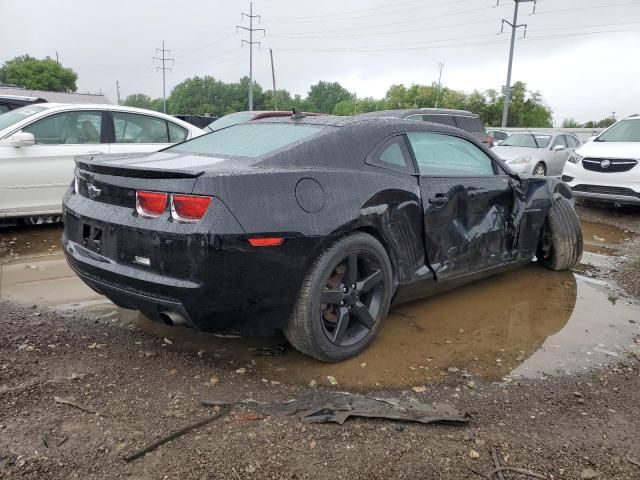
[514,27]
[164,60]
[251,43]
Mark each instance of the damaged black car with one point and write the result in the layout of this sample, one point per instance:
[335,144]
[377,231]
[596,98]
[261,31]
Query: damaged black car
[313,226]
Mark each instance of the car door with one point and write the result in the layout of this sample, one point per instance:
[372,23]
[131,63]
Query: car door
[467,202]
[558,155]
[139,133]
[42,172]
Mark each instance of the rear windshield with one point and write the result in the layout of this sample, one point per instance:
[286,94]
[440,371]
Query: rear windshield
[247,139]
[14,116]
[526,140]
[623,131]
[470,124]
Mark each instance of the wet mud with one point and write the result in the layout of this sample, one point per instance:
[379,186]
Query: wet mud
[529,322]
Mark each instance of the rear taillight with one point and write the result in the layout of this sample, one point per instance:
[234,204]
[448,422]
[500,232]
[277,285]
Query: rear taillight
[189,208]
[490,140]
[151,204]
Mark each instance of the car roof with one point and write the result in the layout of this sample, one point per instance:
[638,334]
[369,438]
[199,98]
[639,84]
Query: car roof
[402,113]
[115,108]
[21,98]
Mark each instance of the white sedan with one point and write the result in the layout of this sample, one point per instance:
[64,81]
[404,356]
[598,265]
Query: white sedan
[38,144]
[539,153]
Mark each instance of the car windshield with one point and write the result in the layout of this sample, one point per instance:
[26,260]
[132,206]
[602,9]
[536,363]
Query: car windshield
[526,140]
[9,118]
[247,139]
[231,119]
[623,131]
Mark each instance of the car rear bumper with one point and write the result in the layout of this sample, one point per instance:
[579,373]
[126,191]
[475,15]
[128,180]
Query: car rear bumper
[216,283]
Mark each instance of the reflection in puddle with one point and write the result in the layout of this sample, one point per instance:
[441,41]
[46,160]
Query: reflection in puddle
[522,323]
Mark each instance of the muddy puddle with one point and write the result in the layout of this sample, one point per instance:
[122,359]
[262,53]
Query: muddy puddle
[525,323]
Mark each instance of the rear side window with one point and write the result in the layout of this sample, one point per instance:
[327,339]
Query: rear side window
[394,155]
[176,133]
[134,128]
[442,155]
[470,124]
[247,139]
[442,119]
[571,141]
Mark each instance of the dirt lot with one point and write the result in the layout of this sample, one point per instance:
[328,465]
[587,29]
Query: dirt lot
[545,364]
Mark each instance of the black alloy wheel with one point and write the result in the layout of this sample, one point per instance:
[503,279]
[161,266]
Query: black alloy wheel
[343,300]
[352,298]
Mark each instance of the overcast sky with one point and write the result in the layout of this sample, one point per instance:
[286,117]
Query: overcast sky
[581,54]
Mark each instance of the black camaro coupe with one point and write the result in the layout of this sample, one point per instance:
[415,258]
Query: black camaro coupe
[309,225]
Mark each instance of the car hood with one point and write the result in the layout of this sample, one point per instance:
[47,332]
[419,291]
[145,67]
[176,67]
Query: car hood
[511,153]
[627,150]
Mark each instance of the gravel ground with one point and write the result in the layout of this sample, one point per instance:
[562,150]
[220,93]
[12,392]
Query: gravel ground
[143,387]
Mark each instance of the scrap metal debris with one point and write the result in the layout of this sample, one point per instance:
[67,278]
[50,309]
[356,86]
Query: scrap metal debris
[338,407]
[51,441]
[143,451]
[73,403]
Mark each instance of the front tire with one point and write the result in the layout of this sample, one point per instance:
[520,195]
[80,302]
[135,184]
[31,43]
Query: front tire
[540,170]
[560,246]
[343,300]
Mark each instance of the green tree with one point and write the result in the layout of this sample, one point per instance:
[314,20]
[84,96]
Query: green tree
[138,100]
[571,123]
[324,96]
[32,73]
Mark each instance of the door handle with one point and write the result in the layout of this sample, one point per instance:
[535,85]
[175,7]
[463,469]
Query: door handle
[439,200]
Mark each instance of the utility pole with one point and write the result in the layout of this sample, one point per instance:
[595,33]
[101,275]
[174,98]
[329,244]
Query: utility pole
[250,42]
[273,75]
[514,27]
[118,91]
[164,59]
[57,60]
[440,66]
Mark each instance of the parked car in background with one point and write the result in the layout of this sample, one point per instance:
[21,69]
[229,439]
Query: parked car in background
[309,225]
[249,116]
[11,102]
[606,168]
[39,142]
[498,135]
[200,121]
[467,121]
[540,153]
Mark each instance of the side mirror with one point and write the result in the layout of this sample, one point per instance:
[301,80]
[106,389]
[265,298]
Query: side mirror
[591,138]
[20,139]
[559,148]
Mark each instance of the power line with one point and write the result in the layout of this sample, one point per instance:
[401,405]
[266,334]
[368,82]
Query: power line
[451,45]
[421,19]
[350,15]
[164,59]
[250,42]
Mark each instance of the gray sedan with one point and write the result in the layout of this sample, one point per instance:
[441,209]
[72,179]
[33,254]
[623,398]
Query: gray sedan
[537,153]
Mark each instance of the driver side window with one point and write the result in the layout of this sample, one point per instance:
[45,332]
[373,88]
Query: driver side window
[82,127]
[440,155]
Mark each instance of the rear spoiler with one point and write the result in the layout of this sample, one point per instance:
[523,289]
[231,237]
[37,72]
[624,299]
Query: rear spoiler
[122,169]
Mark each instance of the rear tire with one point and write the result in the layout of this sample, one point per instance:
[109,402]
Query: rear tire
[343,300]
[560,246]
